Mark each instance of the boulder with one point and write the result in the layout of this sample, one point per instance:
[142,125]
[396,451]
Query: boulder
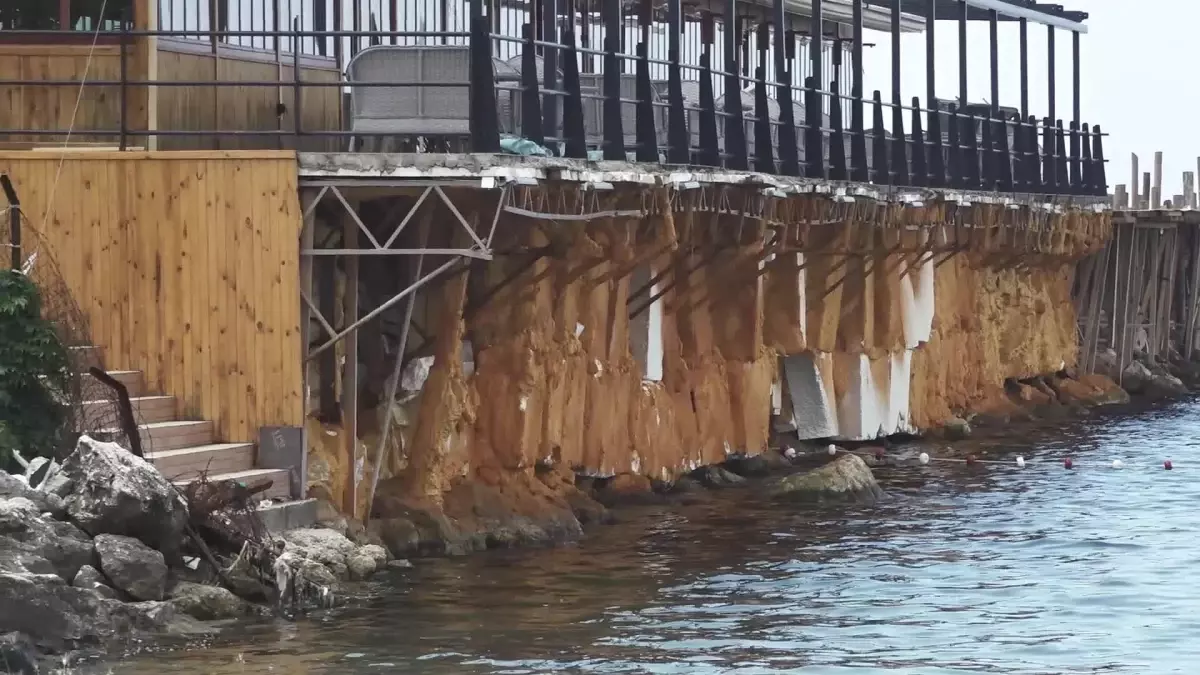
[108,490]
[209,603]
[59,616]
[361,566]
[26,535]
[46,502]
[713,476]
[956,429]
[847,478]
[341,558]
[765,463]
[90,578]
[132,566]
[18,654]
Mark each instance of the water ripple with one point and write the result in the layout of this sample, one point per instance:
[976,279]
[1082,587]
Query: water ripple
[962,570]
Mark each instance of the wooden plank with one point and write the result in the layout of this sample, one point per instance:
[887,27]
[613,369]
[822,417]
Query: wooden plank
[1156,191]
[1135,196]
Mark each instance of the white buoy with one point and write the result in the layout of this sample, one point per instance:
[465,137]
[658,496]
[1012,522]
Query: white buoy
[790,453]
[1118,464]
[923,458]
[832,449]
[1020,462]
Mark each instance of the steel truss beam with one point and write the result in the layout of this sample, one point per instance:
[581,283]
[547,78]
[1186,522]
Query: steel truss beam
[480,248]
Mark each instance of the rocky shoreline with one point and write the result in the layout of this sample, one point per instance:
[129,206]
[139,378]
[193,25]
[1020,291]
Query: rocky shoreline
[102,549]
[551,504]
[99,552]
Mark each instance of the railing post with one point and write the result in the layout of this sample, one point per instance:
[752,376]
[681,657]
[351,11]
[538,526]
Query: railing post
[678,139]
[485,130]
[1098,158]
[14,220]
[735,125]
[1049,161]
[1077,181]
[858,137]
[614,134]
[297,85]
[1033,163]
[1004,175]
[764,157]
[880,174]
[814,139]
[124,140]
[1061,176]
[647,135]
[957,169]
[919,175]
[789,153]
[575,137]
[937,160]
[899,154]
[531,100]
[837,139]
[987,174]
[972,150]
[764,152]
[1088,185]
[710,152]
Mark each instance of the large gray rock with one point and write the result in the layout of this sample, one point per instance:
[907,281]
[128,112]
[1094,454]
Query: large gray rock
[91,579]
[713,476]
[132,566]
[108,490]
[26,536]
[339,558]
[59,616]
[956,429]
[47,502]
[18,654]
[847,478]
[209,603]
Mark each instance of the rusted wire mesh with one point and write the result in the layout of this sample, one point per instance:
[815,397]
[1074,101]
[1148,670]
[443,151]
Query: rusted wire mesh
[91,407]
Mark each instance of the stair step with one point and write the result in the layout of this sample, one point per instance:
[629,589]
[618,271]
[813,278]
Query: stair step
[280,486]
[191,462]
[95,390]
[161,436]
[146,409]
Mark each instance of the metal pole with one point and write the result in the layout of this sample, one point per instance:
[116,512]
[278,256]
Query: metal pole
[1050,72]
[394,381]
[1024,69]
[930,56]
[962,53]
[1075,75]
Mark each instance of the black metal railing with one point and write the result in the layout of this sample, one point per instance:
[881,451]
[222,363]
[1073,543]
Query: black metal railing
[786,129]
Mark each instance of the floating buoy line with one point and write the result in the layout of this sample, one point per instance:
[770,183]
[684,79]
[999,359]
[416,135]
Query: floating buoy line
[1020,462]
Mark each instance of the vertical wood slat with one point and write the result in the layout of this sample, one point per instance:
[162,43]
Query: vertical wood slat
[186,266]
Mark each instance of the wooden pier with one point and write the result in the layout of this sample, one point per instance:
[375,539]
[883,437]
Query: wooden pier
[1141,294]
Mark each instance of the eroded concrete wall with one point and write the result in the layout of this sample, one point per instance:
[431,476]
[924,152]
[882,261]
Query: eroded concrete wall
[903,315]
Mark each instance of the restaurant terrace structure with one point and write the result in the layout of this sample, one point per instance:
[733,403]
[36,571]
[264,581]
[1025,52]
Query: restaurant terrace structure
[627,237]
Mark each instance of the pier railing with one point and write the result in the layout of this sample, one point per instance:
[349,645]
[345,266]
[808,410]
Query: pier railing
[738,105]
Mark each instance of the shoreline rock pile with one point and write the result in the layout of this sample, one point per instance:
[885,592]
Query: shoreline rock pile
[105,548]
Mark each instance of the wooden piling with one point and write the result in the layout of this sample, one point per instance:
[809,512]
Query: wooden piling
[1156,194]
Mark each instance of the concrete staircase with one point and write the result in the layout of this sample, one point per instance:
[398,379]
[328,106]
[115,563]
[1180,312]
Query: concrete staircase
[182,449]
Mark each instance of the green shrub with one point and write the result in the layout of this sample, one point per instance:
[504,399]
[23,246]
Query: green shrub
[35,374]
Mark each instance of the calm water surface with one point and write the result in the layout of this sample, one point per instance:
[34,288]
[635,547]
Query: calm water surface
[984,569]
